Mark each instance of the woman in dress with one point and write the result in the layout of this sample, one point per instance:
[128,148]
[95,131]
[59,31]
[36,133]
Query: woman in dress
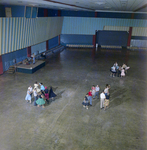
[123,73]
[28,96]
[40,101]
[106,104]
[52,95]
[36,85]
[46,93]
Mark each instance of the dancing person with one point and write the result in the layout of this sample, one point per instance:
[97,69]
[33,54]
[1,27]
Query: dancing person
[52,95]
[106,91]
[113,71]
[96,91]
[36,85]
[93,90]
[46,91]
[90,97]
[106,104]
[31,90]
[35,96]
[119,71]
[42,88]
[28,96]
[102,99]
[125,67]
[40,101]
[116,65]
[33,58]
[85,102]
[123,73]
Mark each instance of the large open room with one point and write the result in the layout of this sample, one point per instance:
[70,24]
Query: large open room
[70,48]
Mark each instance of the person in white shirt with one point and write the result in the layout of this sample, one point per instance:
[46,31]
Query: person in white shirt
[102,99]
[97,89]
[35,96]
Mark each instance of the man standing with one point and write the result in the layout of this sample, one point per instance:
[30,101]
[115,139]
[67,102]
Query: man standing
[96,91]
[33,58]
[102,99]
[90,97]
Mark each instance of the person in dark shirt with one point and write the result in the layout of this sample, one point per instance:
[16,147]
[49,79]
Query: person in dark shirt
[46,93]
[52,95]
[85,102]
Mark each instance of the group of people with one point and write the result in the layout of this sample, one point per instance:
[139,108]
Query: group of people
[41,94]
[93,93]
[119,71]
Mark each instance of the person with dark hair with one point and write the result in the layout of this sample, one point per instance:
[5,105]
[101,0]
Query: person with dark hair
[42,88]
[93,90]
[106,91]
[28,96]
[90,97]
[35,96]
[46,92]
[119,71]
[113,71]
[40,101]
[85,102]
[36,85]
[102,99]
[52,95]
[33,56]
[96,91]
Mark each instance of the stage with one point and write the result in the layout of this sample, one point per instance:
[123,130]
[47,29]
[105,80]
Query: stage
[29,69]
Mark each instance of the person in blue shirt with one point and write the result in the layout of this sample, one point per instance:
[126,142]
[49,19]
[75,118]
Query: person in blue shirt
[42,88]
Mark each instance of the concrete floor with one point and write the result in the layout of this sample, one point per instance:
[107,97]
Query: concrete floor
[65,124]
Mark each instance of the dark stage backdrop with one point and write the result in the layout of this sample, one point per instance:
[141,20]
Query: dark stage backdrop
[112,38]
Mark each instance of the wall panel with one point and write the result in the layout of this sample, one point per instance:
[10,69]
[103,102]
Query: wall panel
[7,59]
[0,34]
[82,25]
[53,42]
[3,37]
[116,28]
[18,33]
[138,43]
[41,47]
[138,31]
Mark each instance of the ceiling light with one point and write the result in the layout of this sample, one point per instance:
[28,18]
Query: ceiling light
[100,2]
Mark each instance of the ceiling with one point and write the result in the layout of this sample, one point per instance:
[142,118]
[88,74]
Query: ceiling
[85,5]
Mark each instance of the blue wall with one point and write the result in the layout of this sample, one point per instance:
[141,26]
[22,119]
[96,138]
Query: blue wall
[38,48]
[7,59]
[52,12]
[53,42]
[2,11]
[76,39]
[77,13]
[87,26]
[17,11]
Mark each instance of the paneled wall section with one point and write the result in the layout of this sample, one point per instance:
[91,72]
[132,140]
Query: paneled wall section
[18,33]
[82,25]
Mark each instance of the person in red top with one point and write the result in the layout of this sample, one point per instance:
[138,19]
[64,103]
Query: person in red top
[90,97]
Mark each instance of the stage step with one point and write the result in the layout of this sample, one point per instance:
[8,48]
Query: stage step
[11,69]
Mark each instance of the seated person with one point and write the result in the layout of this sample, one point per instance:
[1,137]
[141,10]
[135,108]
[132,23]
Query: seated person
[43,55]
[85,102]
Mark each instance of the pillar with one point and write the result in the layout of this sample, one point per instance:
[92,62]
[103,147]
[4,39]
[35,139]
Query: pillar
[29,51]
[1,65]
